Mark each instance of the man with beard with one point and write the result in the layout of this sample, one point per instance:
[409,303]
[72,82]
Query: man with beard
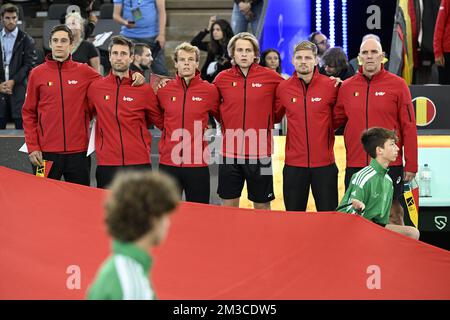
[18,58]
[124,114]
[142,60]
[322,43]
[308,99]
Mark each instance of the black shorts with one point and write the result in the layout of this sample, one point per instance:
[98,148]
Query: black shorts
[194,181]
[395,172]
[234,172]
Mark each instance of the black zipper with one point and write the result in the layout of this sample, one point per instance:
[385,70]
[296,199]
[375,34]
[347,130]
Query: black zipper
[101,135]
[142,137]
[185,89]
[40,124]
[367,114]
[62,103]
[305,92]
[245,107]
[118,81]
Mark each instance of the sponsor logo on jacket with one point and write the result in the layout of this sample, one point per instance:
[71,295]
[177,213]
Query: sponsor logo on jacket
[197,99]
[380,93]
[72,81]
[127,98]
[316,99]
[256,85]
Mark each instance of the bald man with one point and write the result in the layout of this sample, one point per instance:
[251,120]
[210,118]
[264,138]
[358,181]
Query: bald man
[374,97]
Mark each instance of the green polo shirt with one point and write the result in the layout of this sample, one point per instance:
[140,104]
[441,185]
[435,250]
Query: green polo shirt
[372,186]
[124,275]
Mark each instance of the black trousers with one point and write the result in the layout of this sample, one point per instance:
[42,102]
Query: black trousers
[323,182]
[193,180]
[105,174]
[74,167]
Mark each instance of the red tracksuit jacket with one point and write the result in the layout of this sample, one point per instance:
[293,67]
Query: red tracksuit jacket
[247,110]
[309,111]
[55,115]
[186,109]
[123,116]
[441,41]
[384,101]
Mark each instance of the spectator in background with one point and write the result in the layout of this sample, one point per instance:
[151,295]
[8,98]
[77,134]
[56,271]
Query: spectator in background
[82,51]
[84,8]
[143,59]
[18,58]
[271,59]
[137,218]
[335,64]
[245,12]
[144,22]
[322,43]
[217,58]
[441,42]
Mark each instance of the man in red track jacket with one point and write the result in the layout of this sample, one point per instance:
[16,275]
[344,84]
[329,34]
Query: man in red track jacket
[441,42]
[124,114]
[186,103]
[375,97]
[247,117]
[55,117]
[308,99]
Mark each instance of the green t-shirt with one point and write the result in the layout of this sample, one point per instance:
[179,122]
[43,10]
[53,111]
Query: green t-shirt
[124,275]
[372,186]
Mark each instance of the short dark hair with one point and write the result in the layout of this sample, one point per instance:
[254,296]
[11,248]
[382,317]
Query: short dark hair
[376,137]
[62,27]
[123,41]
[313,35]
[137,201]
[335,57]
[9,7]
[139,48]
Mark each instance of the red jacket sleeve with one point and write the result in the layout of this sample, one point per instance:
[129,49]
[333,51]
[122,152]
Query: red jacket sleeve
[441,21]
[154,114]
[339,116]
[214,102]
[408,129]
[280,110]
[30,114]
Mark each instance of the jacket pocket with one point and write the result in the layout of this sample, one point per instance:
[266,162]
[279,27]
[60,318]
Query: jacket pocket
[40,124]
[101,136]
[142,137]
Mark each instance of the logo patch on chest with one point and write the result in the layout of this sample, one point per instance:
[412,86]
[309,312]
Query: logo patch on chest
[197,99]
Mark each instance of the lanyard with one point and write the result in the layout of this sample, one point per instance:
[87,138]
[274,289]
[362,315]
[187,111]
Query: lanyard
[348,205]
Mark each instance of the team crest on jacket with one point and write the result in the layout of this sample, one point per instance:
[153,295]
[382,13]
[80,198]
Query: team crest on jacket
[106,97]
[173,99]
[49,84]
[293,99]
[356,93]
[234,84]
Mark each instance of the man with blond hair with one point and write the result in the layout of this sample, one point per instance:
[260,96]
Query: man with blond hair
[248,103]
[308,99]
[185,103]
